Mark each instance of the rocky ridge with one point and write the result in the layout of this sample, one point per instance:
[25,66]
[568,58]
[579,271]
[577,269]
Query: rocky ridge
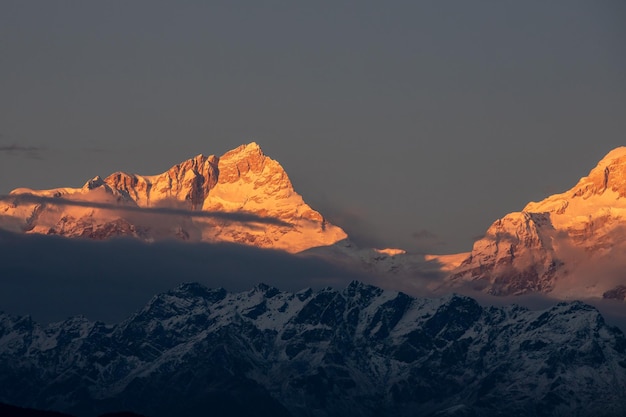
[243,180]
[569,245]
[359,351]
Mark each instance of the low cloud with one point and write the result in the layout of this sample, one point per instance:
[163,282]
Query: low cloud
[221,215]
[354,223]
[593,267]
[426,241]
[52,278]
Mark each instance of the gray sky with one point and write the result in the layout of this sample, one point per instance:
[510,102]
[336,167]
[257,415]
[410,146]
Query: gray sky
[410,124]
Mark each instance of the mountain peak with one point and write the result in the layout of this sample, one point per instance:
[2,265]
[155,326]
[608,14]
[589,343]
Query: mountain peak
[609,174]
[543,247]
[95,182]
[242,180]
[616,153]
[250,149]
[238,162]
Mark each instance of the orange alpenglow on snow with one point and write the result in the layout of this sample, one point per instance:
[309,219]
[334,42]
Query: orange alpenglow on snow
[243,180]
[570,245]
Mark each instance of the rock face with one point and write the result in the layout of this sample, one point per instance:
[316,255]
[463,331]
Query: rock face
[357,352]
[571,244]
[243,180]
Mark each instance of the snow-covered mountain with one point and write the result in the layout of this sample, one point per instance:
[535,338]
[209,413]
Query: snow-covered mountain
[361,351]
[569,245]
[197,200]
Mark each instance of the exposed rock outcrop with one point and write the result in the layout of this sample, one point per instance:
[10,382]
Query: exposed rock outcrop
[568,244]
[244,180]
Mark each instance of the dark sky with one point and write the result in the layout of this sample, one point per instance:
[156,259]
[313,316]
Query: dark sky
[411,124]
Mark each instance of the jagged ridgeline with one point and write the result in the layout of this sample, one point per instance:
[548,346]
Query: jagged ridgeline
[361,351]
[569,245]
[190,201]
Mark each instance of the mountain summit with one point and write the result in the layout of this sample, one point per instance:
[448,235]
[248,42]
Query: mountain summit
[243,196]
[570,244]
[360,351]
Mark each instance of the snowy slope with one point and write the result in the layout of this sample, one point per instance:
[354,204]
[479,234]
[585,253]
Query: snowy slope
[180,203]
[570,245]
[356,352]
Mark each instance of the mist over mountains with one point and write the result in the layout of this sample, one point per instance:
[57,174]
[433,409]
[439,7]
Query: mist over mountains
[52,278]
[225,224]
[570,245]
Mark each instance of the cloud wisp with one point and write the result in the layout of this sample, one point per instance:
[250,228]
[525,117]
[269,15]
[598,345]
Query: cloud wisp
[426,241]
[240,217]
[32,152]
[53,278]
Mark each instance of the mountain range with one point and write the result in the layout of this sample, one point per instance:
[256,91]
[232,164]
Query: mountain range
[356,351]
[360,351]
[570,245]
